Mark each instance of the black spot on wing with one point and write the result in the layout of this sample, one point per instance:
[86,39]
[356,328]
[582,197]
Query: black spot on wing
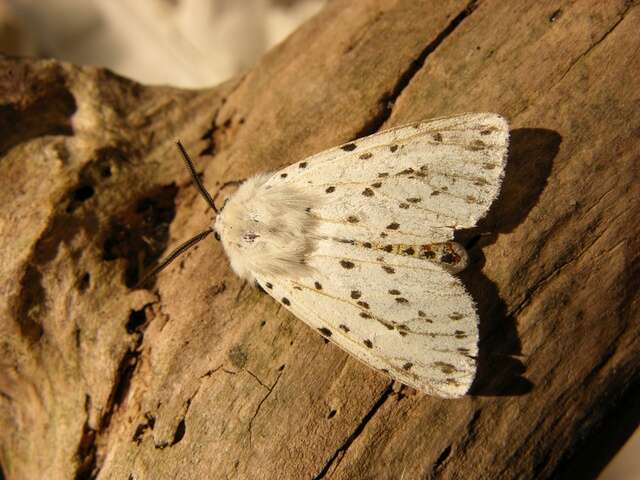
[445,367]
[344,328]
[477,145]
[285,301]
[325,331]
[447,258]
[349,147]
[283,175]
[347,264]
[368,343]
[302,165]
[330,189]
[318,285]
[393,148]
[366,155]
[367,192]
[356,294]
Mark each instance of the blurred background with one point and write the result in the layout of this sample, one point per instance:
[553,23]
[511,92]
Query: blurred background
[184,43]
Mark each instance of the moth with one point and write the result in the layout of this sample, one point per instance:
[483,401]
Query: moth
[357,241]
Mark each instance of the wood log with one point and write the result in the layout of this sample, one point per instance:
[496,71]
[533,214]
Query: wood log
[201,376]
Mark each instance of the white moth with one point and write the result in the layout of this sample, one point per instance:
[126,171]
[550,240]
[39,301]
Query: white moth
[356,241]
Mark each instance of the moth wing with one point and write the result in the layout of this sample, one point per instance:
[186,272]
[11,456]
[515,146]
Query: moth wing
[425,179]
[406,317]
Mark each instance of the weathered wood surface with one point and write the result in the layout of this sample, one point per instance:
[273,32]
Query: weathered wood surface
[200,376]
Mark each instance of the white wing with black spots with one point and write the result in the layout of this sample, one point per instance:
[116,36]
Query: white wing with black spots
[357,242]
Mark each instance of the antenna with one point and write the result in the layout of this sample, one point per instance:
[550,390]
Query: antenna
[195,178]
[193,240]
[173,255]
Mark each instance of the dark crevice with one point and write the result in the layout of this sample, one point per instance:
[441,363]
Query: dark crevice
[121,386]
[341,451]
[136,325]
[387,101]
[83,193]
[179,433]
[84,282]
[208,150]
[31,304]
[442,458]
[181,428]
[141,235]
[148,424]
[217,136]
[86,452]
[137,319]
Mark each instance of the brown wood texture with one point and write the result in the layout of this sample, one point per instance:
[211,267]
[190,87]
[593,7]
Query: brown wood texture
[201,376]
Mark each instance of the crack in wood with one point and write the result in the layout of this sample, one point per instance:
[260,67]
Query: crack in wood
[596,43]
[387,101]
[550,276]
[270,390]
[87,452]
[339,454]
[257,379]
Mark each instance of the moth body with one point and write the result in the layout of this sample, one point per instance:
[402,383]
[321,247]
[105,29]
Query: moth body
[267,231]
[357,241]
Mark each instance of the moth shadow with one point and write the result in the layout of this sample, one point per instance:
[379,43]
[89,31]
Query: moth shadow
[531,155]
